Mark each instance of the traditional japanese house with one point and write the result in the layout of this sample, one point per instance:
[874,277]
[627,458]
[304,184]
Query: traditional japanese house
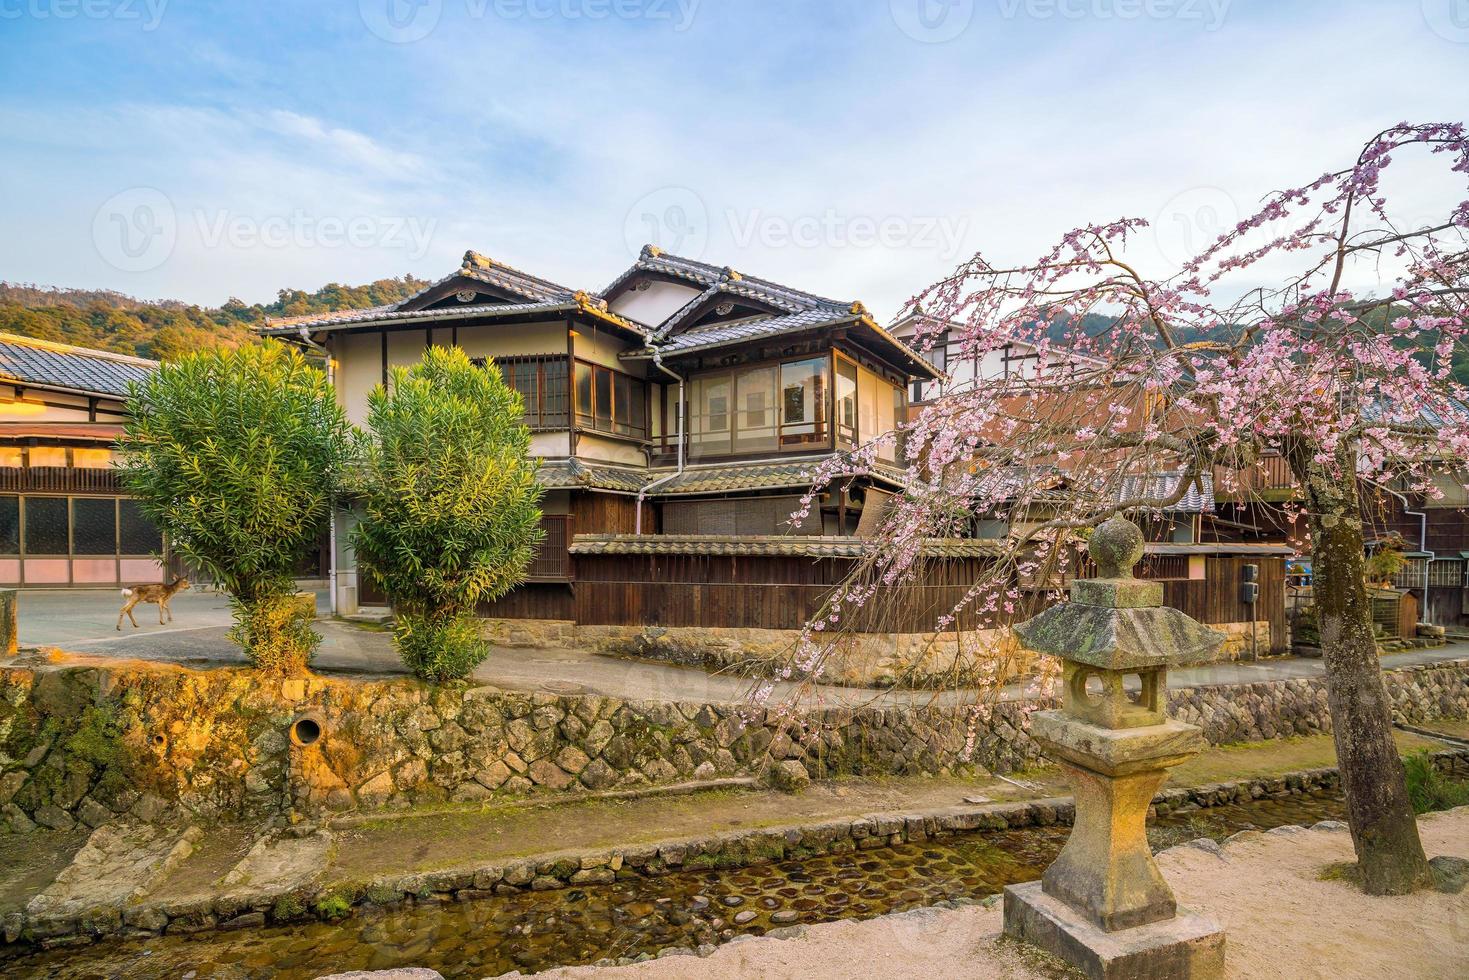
[678,412]
[64,518]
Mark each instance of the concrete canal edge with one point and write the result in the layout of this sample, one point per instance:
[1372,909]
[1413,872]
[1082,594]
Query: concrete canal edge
[245,908]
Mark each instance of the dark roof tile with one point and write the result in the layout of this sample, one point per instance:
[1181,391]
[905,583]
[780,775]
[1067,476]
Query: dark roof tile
[40,362]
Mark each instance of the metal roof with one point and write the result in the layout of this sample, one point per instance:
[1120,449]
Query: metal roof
[25,360]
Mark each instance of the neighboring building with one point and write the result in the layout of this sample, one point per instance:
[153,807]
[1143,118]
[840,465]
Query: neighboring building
[64,520]
[940,343]
[768,381]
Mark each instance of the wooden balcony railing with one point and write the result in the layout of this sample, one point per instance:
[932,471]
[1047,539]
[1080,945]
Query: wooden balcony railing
[58,479]
[1269,479]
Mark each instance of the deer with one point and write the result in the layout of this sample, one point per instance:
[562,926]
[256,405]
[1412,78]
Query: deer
[159,594]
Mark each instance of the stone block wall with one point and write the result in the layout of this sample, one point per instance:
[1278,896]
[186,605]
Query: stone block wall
[79,743]
[912,660]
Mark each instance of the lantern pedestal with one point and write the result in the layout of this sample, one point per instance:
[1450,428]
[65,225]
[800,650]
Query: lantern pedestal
[1185,945]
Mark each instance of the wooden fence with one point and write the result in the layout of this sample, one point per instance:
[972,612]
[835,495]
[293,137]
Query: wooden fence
[786,592]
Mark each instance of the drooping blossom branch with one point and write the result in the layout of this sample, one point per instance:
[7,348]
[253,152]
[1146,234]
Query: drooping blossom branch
[1147,389]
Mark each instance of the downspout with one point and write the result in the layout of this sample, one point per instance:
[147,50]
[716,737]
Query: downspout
[332,515]
[1422,545]
[678,471]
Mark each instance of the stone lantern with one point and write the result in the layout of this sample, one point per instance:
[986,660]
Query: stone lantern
[1103,906]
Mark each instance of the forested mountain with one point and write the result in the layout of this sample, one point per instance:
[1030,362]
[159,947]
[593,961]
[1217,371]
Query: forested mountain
[165,329]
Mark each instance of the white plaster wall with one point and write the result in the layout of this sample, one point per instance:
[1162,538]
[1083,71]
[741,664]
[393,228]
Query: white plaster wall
[513,339]
[600,347]
[655,304]
[359,368]
[591,446]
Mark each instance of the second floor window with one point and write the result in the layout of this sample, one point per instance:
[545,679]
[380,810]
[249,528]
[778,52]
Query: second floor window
[541,382]
[610,401]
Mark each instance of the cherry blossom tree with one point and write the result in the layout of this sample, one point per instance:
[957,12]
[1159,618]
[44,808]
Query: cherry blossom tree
[1266,342]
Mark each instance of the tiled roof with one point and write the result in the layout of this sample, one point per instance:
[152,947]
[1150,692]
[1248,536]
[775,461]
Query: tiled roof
[794,546]
[384,314]
[1217,548]
[540,295]
[487,270]
[716,335]
[797,474]
[41,362]
[1160,485]
[573,474]
[653,259]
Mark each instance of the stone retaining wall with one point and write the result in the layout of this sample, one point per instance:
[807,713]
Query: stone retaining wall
[911,660]
[81,743]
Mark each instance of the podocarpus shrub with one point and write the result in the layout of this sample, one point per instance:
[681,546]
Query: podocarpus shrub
[237,455]
[450,510]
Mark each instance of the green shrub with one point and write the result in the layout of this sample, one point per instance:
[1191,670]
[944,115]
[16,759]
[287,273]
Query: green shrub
[1428,788]
[450,505]
[237,456]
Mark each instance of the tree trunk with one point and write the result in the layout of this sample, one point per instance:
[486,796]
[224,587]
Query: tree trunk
[1390,855]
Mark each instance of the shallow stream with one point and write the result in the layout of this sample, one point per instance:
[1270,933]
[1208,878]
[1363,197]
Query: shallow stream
[537,930]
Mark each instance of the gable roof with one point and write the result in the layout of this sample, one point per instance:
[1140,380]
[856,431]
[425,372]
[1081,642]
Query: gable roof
[796,310]
[25,360]
[539,296]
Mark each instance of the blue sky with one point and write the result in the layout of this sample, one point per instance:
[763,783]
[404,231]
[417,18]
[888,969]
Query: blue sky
[169,148]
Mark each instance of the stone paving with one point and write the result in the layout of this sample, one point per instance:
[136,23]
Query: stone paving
[120,862]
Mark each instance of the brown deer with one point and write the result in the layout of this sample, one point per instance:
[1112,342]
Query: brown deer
[151,593]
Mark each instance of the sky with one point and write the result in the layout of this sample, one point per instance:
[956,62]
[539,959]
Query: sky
[856,148]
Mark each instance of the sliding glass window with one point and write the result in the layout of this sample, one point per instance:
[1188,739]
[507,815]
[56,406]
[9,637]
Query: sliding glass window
[610,401]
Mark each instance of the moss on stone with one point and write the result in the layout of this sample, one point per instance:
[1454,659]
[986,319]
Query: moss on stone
[332,905]
[288,908]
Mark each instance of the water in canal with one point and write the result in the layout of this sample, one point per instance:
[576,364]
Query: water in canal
[537,930]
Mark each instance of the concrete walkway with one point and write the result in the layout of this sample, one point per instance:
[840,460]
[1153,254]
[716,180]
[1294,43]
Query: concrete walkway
[83,622]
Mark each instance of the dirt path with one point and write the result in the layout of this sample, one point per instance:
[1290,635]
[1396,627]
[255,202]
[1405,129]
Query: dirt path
[469,835]
[1281,919]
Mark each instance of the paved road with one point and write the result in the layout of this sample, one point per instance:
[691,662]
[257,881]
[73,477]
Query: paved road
[83,622]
